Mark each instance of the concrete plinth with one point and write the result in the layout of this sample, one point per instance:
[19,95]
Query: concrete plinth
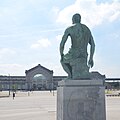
[81,100]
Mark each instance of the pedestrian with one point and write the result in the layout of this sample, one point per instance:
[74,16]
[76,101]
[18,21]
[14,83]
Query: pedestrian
[13,95]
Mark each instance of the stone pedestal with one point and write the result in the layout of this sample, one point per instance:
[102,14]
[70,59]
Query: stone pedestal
[81,100]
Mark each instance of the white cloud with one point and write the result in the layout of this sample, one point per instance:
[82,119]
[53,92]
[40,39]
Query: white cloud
[107,70]
[92,13]
[6,53]
[55,10]
[12,69]
[56,67]
[59,37]
[43,43]
[105,67]
[115,16]
[58,70]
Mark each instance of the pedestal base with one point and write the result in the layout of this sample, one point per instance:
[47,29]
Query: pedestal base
[81,100]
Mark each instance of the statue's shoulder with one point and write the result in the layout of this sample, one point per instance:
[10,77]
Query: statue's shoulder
[85,27]
[68,29]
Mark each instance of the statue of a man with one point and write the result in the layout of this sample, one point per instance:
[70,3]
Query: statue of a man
[75,61]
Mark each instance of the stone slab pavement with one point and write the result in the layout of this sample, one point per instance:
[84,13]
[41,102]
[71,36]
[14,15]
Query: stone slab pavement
[42,106]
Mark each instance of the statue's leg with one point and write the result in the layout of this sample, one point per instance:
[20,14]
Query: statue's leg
[80,68]
[68,69]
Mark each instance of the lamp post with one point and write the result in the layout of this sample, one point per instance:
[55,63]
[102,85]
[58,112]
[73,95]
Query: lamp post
[9,83]
[53,86]
[28,88]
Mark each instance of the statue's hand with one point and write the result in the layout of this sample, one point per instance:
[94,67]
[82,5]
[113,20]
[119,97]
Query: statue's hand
[90,63]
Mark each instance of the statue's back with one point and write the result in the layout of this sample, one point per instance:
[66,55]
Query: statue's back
[80,36]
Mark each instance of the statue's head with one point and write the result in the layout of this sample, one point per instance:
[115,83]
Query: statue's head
[76,18]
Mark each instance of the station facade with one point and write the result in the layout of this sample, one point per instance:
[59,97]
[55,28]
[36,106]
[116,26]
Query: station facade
[41,78]
[36,78]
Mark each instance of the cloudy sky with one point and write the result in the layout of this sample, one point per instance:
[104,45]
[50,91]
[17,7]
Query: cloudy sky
[31,31]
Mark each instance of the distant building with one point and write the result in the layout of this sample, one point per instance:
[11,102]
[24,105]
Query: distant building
[41,78]
[12,82]
[38,78]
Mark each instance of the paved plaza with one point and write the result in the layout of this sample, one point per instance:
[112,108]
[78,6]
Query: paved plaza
[42,106]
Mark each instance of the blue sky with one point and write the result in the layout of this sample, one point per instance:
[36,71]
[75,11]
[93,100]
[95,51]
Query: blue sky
[31,31]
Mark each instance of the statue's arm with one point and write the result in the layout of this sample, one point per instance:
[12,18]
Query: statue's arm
[63,41]
[92,49]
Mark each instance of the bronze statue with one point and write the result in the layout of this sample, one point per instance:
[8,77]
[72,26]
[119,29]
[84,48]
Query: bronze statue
[75,61]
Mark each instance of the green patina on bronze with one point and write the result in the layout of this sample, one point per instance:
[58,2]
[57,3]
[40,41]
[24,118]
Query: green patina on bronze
[75,62]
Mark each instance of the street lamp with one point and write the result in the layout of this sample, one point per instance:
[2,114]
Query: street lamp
[53,86]
[9,83]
